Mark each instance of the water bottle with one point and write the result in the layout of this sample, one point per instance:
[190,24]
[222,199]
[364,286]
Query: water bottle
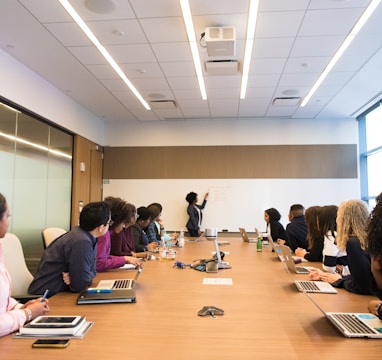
[163,250]
[259,244]
[181,239]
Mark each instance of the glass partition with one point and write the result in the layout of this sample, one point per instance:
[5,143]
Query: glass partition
[36,177]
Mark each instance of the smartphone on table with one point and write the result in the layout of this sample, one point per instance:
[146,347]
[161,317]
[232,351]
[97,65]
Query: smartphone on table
[51,343]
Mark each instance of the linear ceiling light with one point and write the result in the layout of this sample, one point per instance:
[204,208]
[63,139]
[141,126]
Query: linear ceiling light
[69,8]
[34,145]
[10,108]
[357,27]
[251,27]
[187,17]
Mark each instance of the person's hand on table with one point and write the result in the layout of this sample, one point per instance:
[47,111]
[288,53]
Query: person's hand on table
[330,278]
[314,274]
[300,252]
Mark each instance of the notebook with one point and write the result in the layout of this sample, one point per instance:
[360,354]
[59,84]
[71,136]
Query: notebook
[110,291]
[245,237]
[354,325]
[290,261]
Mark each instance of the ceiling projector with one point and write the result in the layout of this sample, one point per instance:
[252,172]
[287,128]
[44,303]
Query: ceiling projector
[221,41]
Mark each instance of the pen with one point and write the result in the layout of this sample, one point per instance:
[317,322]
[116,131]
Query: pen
[45,295]
[95,290]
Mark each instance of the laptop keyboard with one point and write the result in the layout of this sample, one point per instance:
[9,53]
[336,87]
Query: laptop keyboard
[309,286]
[122,284]
[352,324]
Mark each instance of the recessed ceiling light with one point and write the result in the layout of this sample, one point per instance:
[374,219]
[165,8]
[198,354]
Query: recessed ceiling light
[286,101]
[118,32]
[100,6]
[291,92]
[156,96]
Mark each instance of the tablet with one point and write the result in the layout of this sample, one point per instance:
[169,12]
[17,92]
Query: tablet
[51,321]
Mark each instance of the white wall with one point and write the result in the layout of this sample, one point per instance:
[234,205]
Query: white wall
[22,86]
[232,132]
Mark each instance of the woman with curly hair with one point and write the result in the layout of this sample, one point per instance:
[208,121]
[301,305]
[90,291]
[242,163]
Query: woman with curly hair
[274,227]
[352,222]
[374,247]
[120,215]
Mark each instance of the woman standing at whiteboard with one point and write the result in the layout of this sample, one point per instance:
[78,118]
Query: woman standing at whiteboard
[194,212]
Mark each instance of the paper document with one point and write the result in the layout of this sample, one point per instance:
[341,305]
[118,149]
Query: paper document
[217,281]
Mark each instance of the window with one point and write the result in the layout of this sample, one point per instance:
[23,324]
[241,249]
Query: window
[370,146]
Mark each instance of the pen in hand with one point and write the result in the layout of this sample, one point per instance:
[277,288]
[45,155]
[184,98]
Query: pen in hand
[45,295]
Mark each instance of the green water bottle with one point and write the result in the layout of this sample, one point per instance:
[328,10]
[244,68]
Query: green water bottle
[259,244]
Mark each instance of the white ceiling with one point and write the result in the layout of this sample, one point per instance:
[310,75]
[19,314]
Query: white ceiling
[294,41]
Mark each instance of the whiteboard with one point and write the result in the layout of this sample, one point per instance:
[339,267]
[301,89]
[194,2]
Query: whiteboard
[232,203]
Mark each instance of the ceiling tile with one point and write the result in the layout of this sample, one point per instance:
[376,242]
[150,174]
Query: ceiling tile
[293,43]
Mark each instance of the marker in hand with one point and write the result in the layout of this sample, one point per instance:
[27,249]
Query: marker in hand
[45,295]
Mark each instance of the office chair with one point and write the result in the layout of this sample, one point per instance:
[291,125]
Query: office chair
[51,233]
[17,268]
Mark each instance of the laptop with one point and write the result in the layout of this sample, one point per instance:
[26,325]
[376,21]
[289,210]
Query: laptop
[245,237]
[290,261]
[199,238]
[309,286]
[354,325]
[275,247]
[110,291]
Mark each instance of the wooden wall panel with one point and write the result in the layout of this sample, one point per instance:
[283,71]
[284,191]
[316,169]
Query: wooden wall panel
[87,185]
[231,162]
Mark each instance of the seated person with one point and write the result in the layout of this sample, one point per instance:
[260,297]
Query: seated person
[141,240]
[123,243]
[297,230]
[120,215]
[69,263]
[333,258]
[159,223]
[374,248]
[153,232]
[274,228]
[13,315]
[352,221]
[315,239]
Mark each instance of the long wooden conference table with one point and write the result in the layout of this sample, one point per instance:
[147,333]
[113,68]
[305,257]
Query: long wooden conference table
[265,316]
